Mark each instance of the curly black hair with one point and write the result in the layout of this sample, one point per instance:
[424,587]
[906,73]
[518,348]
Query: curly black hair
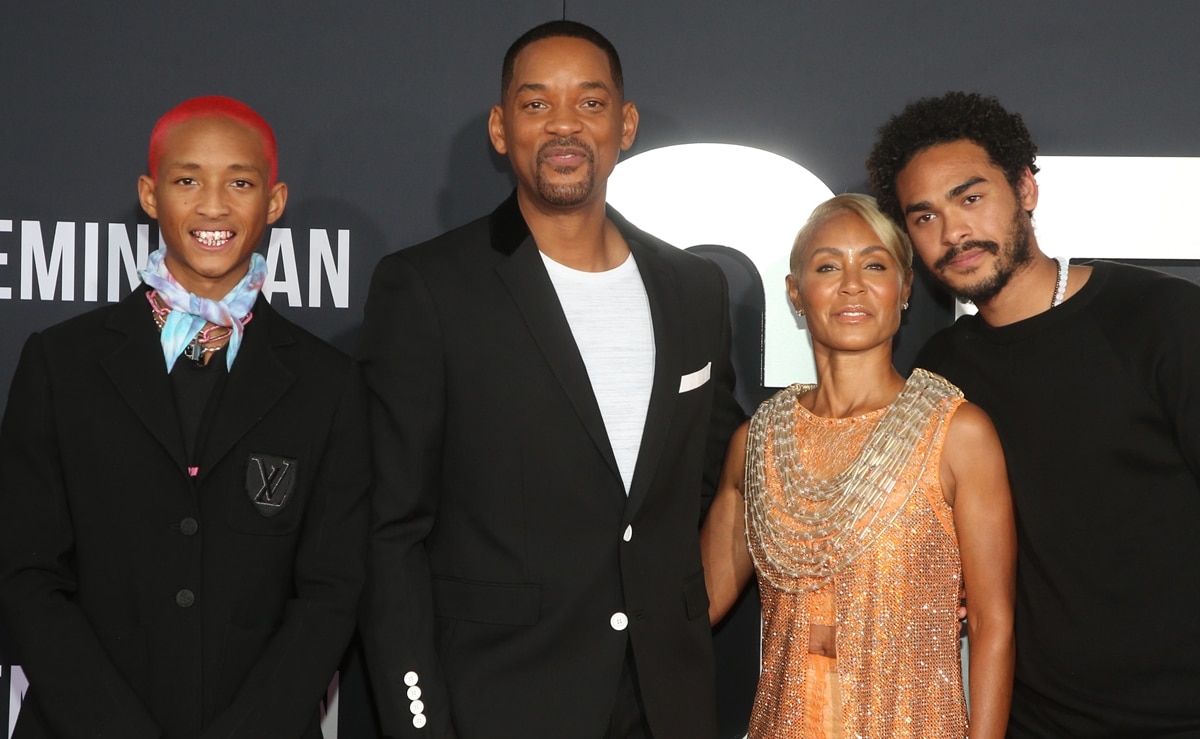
[939,120]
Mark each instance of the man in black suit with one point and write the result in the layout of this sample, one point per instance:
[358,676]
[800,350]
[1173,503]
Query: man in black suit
[183,477]
[552,393]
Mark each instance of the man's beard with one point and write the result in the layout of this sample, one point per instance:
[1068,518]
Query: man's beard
[1016,253]
[570,194]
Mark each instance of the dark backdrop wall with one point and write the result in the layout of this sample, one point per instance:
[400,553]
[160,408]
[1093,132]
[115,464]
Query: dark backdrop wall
[380,106]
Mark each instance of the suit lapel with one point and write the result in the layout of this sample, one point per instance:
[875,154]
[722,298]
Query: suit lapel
[525,277]
[256,383]
[139,372]
[662,292]
[524,274]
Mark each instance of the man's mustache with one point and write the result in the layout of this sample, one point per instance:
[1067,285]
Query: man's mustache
[567,142]
[944,261]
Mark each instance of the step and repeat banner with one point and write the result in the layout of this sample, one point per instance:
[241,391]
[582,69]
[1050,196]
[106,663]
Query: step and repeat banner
[750,115]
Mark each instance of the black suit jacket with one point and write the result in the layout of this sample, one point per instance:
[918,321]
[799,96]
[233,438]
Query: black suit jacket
[149,603]
[504,549]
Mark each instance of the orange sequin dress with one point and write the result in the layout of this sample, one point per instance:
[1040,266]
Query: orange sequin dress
[885,572]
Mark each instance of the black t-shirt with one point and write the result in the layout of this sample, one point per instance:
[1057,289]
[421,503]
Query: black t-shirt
[1097,404]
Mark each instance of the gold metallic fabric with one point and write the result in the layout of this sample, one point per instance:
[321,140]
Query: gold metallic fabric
[887,558]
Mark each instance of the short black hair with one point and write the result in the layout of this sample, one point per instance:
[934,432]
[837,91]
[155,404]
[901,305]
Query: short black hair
[559,29]
[954,116]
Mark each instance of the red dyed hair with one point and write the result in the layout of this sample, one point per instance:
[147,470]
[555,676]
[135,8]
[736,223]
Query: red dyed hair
[207,106]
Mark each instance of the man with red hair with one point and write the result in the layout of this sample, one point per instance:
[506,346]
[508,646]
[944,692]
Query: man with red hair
[183,476]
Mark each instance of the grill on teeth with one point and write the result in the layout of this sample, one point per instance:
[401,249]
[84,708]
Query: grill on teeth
[212,238]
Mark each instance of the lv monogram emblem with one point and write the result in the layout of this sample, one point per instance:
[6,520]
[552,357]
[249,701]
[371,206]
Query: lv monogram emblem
[270,481]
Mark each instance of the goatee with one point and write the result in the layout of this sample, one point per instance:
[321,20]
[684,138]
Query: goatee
[570,194]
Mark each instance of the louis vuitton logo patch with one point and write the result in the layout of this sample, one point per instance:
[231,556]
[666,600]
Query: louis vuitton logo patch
[270,481]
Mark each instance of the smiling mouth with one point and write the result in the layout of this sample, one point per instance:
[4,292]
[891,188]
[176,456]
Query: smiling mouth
[564,153]
[558,158]
[212,238]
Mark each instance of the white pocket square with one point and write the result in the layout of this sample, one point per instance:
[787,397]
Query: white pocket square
[693,380]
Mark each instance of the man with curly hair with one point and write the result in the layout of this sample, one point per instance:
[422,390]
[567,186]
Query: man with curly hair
[1088,373]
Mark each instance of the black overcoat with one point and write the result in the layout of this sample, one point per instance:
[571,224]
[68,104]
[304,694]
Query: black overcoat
[510,570]
[147,602]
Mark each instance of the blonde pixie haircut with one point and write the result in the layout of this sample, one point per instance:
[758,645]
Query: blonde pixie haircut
[865,207]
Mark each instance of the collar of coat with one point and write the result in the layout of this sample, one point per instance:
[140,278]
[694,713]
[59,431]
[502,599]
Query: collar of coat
[508,229]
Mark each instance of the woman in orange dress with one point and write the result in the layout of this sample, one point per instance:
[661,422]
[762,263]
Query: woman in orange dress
[866,503]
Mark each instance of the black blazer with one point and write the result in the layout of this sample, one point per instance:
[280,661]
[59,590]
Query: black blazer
[504,549]
[150,603]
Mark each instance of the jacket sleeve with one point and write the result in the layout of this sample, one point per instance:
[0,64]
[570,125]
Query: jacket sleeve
[727,413]
[280,693]
[403,360]
[72,680]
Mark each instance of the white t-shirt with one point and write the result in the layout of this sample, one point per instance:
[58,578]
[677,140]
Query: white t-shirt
[609,315]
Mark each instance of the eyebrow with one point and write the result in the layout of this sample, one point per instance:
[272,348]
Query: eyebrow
[837,251]
[953,193]
[190,166]
[541,87]
[972,182]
